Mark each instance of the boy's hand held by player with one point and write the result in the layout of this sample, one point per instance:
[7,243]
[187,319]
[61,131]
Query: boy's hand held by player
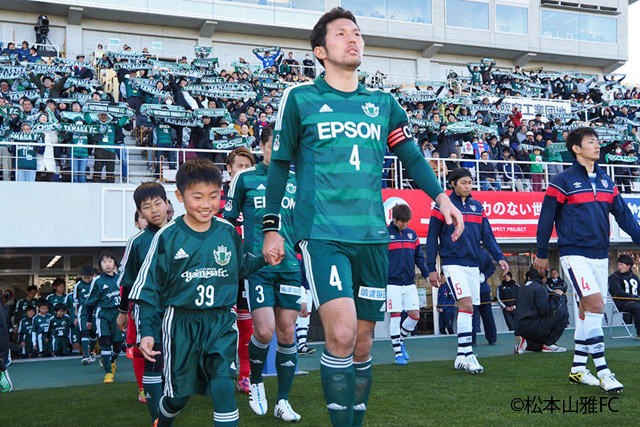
[541,265]
[146,348]
[122,321]
[451,215]
[434,279]
[504,266]
[273,247]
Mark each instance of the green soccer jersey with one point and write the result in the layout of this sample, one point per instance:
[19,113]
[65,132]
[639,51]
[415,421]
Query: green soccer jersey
[191,270]
[41,324]
[54,299]
[104,292]
[134,254]
[337,141]
[21,308]
[25,330]
[247,195]
[26,157]
[81,293]
[60,326]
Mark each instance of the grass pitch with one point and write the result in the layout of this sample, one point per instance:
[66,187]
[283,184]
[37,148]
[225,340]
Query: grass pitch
[419,394]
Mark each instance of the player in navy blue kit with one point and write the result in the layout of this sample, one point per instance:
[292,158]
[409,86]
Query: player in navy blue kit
[579,201]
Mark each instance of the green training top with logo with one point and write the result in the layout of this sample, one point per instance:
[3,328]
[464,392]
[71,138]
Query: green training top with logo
[191,270]
[337,141]
[134,254]
[60,326]
[21,308]
[104,292]
[25,329]
[81,293]
[41,323]
[53,299]
[247,195]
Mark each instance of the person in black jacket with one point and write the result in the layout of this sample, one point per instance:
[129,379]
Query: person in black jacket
[487,173]
[541,317]
[507,295]
[623,287]
[554,281]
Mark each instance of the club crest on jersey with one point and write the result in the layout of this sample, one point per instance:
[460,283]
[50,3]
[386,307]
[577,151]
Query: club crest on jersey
[473,208]
[228,206]
[370,109]
[291,188]
[604,182]
[276,143]
[222,255]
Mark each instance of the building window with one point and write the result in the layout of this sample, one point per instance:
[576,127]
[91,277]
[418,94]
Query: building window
[468,14]
[291,4]
[577,26]
[511,19]
[418,11]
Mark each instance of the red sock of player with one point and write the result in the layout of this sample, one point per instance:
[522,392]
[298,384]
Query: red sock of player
[138,365]
[245,330]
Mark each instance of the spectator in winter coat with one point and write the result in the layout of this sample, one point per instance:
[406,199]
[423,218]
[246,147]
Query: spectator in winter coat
[507,295]
[623,287]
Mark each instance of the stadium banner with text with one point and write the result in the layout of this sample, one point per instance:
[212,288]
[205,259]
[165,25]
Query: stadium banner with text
[529,107]
[512,215]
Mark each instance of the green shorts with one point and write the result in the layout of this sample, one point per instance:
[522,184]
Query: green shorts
[268,288]
[352,270]
[107,325]
[198,346]
[83,318]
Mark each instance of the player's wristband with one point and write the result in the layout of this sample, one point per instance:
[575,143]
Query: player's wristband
[270,222]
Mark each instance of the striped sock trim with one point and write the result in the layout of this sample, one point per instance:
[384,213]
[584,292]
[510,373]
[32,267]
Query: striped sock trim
[362,366]
[258,344]
[152,379]
[336,362]
[287,350]
[164,411]
[226,417]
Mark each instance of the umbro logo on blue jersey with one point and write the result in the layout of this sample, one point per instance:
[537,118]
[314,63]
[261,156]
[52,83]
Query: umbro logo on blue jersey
[326,109]
[577,184]
[181,254]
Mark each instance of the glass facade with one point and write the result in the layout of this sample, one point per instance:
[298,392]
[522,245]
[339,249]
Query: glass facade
[317,5]
[576,26]
[468,14]
[418,11]
[511,19]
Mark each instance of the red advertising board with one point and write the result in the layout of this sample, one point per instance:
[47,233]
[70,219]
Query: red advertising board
[512,215]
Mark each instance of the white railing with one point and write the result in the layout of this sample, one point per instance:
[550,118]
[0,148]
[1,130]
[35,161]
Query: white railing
[140,163]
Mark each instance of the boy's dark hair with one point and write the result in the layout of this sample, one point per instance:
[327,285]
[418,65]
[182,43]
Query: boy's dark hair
[59,306]
[508,273]
[458,173]
[30,307]
[319,32]
[267,132]
[87,270]
[58,281]
[401,213]
[136,216]
[148,191]
[575,138]
[32,288]
[42,302]
[196,171]
[108,254]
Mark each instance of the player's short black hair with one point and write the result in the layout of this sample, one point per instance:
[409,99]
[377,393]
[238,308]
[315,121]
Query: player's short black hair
[108,254]
[196,171]
[508,273]
[267,132]
[43,302]
[401,213]
[575,138]
[59,306]
[32,288]
[319,32]
[58,281]
[148,191]
[136,216]
[30,307]
[458,173]
[87,270]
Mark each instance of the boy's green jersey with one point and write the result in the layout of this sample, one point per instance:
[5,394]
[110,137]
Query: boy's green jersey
[191,270]
[81,294]
[54,299]
[337,141]
[247,195]
[104,292]
[134,254]
[41,323]
[25,329]
[60,326]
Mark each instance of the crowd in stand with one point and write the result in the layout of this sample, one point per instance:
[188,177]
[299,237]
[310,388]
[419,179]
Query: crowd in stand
[508,126]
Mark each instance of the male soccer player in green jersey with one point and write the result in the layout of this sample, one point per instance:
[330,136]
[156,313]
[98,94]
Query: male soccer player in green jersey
[105,295]
[59,295]
[336,131]
[60,330]
[25,330]
[40,332]
[191,275]
[151,206]
[88,336]
[29,300]
[274,291]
